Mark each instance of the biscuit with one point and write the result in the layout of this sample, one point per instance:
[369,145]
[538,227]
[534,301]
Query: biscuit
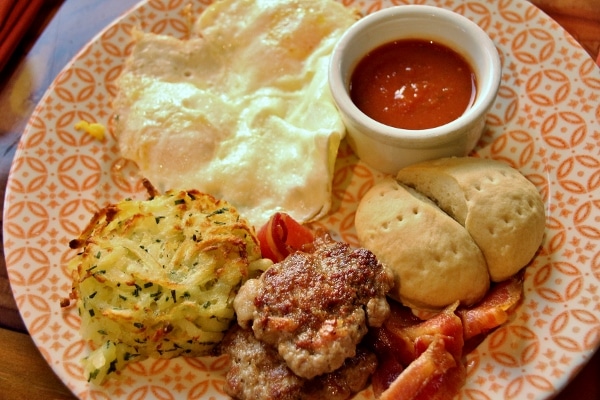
[434,260]
[497,205]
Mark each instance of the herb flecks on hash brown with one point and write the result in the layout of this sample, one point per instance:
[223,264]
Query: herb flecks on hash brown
[157,278]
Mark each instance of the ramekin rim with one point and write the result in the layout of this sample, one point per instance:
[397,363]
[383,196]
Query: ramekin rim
[441,133]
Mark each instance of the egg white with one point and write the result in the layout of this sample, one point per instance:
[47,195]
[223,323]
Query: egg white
[242,110]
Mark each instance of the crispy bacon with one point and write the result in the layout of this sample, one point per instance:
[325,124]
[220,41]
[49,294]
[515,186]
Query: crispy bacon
[445,325]
[415,356]
[425,359]
[435,374]
[493,310]
[282,235]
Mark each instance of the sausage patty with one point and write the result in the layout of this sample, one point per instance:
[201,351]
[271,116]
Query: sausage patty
[315,307]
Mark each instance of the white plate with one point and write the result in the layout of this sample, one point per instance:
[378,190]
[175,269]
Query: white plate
[543,123]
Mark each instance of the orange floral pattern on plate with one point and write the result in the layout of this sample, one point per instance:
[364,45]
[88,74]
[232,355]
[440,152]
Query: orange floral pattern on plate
[545,122]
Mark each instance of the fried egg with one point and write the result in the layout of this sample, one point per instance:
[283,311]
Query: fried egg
[241,109]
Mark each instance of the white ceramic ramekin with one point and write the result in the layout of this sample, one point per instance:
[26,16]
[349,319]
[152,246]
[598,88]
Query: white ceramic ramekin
[386,148]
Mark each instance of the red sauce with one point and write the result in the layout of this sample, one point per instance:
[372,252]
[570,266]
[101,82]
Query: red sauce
[413,84]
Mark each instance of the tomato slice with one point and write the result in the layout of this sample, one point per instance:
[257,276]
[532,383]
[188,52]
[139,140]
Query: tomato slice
[281,236]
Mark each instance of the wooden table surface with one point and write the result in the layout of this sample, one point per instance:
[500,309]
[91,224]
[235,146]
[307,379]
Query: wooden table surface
[60,29]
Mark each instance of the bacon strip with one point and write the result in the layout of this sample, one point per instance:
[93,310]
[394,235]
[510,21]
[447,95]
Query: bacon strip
[421,360]
[493,310]
[415,356]
[425,377]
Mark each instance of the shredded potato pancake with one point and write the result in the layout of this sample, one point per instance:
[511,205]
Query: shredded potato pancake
[157,278]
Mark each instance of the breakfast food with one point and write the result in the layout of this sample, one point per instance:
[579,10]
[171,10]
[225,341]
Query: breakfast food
[413,84]
[94,129]
[240,110]
[257,372]
[434,259]
[427,359]
[157,278]
[312,310]
[497,205]
[491,204]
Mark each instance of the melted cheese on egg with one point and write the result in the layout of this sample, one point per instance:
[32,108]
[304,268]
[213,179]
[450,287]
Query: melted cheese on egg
[241,110]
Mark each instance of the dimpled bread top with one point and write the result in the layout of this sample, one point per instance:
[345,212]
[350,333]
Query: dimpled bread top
[434,260]
[498,206]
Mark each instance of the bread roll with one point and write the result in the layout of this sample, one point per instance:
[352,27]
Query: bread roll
[499,207]
[434,260]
